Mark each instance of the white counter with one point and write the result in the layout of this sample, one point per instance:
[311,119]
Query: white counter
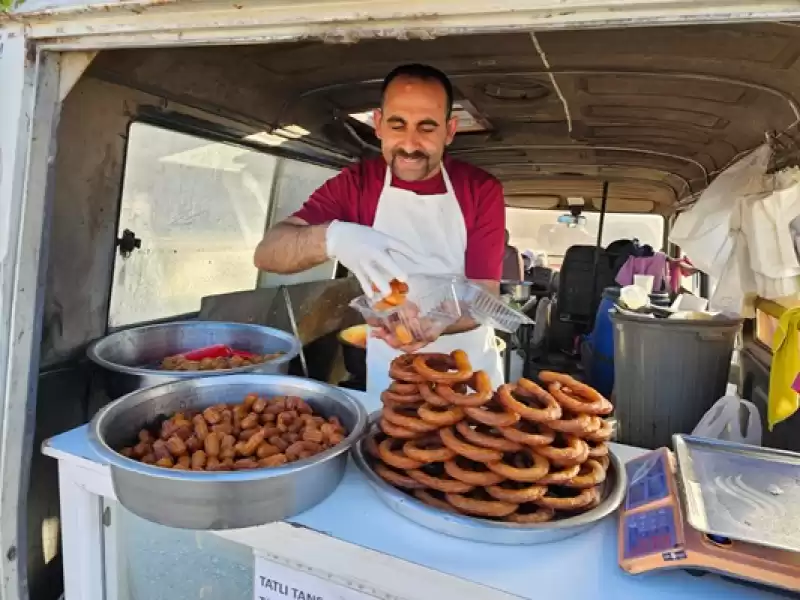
[353,539]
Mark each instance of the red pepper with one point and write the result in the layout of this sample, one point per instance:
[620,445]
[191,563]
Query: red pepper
[245,355]
[218,351]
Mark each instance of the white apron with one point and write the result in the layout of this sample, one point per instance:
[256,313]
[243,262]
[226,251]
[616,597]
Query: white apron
[422,222]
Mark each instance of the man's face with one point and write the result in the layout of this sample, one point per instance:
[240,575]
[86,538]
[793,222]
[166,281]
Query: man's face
[413,127]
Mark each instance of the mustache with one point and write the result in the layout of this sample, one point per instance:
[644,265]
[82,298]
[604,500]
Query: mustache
[410,155]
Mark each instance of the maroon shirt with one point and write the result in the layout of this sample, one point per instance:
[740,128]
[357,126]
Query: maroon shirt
[352,196]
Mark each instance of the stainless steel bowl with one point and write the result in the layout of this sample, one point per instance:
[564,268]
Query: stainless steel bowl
[494,532]
[221,500]
[129,358]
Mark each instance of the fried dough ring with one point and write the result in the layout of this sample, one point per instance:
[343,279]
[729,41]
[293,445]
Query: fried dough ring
[577,404]
[591,474]
[576,501]
[510,466]
[395,431]
[431,396]
[467,450]
[469,472]
[604,434]
[529,514]
[529,391]
[406,417]
[482,436]
[516,492]
[557,477]
[428,497]
[577,424]
[529,433]
[488,414]
[390,397]
[480,383]
[588,400]
[604,461]
[388,450]
[400,387]
[428,449]
[597,449]
[401,369]
[474,504]
[396,479]
[440,417]
[573,452]
[444,483]
[457,360]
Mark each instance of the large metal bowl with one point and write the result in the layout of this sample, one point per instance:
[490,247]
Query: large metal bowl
[222,500]
[129,358]
[494,532]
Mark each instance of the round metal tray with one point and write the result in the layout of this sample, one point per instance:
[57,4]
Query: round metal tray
[493,532]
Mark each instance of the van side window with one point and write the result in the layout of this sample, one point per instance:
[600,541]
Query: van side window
[199,208]
[294,183]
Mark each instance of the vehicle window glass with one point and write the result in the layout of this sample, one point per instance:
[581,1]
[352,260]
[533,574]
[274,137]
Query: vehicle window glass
[294,183]
[540,231]
[199,208]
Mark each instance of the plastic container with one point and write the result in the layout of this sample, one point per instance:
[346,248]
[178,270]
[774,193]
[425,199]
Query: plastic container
[430,307]
[667,374]
[434,303]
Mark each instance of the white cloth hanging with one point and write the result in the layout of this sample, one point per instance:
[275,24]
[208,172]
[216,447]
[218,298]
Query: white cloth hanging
[739,233]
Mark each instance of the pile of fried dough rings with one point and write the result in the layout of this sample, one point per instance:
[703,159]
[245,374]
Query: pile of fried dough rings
[521,454]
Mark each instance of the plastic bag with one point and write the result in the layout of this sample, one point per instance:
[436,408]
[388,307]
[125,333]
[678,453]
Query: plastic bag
[731,419]
[703,232]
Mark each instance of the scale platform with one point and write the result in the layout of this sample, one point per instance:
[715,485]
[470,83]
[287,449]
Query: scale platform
[654,533]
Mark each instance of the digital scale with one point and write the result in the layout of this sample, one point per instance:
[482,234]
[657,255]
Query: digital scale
[705,510]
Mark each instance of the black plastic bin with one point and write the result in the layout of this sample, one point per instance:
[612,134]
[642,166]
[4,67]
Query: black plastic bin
[667,374]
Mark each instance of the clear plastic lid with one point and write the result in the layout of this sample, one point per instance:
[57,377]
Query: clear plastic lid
[488,309]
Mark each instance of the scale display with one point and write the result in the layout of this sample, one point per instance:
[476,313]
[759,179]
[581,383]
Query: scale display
[648,480]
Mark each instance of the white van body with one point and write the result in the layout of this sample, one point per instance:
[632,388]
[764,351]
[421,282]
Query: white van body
[45,46]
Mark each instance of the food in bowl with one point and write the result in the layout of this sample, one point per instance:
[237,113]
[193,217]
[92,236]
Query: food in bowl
[258,433]
[356,335]
[215,358]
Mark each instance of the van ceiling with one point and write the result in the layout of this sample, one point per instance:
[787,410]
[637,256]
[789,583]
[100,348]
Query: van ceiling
[656,112]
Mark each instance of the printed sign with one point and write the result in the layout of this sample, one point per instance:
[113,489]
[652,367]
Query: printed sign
[272,581]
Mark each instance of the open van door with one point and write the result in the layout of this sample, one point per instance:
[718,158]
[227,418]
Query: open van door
[26,155]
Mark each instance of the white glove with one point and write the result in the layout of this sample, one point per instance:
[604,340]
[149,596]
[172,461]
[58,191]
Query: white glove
[366,254]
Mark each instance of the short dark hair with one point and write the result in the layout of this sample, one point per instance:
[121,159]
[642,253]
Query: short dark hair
[425,73]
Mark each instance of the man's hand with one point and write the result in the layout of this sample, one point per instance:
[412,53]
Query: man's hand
[390,338]
[367,253]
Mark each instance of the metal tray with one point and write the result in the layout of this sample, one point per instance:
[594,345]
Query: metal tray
[492,532]
[745,493]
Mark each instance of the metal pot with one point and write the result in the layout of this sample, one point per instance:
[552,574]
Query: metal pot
[129,357]
[354,355]
[519,291]
[222,500]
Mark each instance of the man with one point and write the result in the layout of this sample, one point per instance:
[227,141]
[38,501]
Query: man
[411,211]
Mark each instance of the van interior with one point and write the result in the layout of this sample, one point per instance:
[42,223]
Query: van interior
[172,163]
